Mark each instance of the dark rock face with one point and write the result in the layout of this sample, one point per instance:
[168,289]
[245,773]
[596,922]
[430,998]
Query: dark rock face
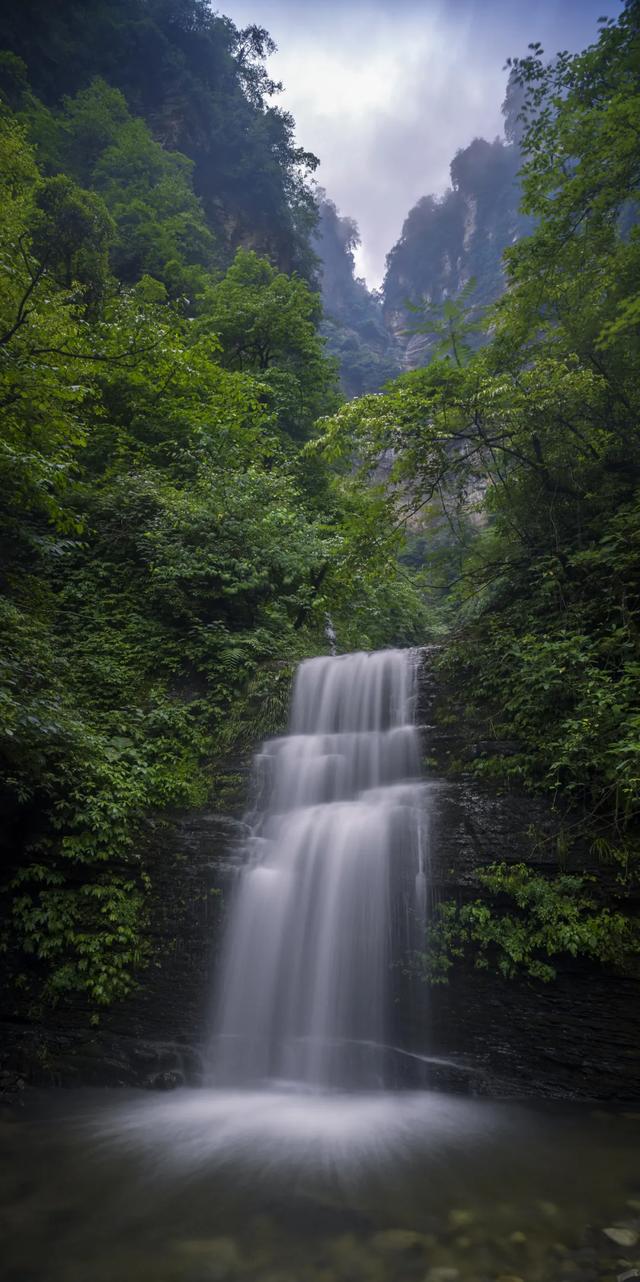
[576,1037]
[154,1038]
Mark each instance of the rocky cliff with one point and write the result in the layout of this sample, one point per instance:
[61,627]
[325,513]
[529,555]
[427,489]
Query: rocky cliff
[578,1036]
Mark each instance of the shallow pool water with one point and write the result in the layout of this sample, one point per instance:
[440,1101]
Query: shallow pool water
[287,1186]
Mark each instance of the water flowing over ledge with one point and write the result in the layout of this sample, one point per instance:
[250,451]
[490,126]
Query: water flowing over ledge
[303,990]
[297,1160]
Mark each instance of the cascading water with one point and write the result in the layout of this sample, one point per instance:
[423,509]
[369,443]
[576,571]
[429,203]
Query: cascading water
[304,987]
[295,1164]
[264,1178]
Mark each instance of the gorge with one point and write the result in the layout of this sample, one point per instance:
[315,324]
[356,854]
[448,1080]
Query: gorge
[319,663]
[296,1150]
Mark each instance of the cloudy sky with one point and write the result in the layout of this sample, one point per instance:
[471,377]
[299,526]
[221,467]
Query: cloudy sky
[386,91]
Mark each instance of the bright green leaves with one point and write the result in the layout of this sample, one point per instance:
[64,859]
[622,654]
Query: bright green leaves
[523,924]
[42,425]
[450,326]
[581,179]
[165,544]
[70,236]
[91,936]
[158,224]
[266,324]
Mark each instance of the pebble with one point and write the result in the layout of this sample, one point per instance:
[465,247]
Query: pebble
[441,1273]
[463,1242]
[460,1219]
[621,1236]
[517,1238]
[218,1257]
[396,1241]
[549,1209]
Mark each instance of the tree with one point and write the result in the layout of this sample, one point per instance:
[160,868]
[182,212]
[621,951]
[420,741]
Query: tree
[266,324]
[163,538]
[201,86]
[534,442]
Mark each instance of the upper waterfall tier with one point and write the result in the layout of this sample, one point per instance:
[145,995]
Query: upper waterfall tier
[354,692]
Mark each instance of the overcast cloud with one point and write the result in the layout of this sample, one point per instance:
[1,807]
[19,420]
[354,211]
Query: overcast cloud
[385,93]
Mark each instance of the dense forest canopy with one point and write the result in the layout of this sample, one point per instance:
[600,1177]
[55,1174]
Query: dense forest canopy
[202,88]
[531,447]
[186,494]
[164,536]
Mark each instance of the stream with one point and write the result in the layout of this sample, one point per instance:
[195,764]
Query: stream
[279,1186]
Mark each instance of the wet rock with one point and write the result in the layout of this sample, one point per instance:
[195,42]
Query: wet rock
[621,1236]
[211,1259]
[549,1209]
[398,1242]
[460,1219]
[167,1081]
[442,1273]
[352,1261]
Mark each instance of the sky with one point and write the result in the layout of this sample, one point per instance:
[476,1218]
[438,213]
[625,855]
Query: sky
[386,91]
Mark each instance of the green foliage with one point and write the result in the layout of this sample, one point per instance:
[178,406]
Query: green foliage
[266,324]
[527,454]
[523,924]
[90,937]
[70,235]
[166,548]
[201,86]
[160,226]
[451,325]
[263,709]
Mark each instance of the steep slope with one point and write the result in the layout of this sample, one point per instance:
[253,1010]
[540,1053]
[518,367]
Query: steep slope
[446,241]
[202,87]
[354,324]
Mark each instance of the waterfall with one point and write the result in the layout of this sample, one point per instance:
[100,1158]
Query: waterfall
[304,980]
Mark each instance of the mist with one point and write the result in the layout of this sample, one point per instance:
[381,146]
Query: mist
[385,94]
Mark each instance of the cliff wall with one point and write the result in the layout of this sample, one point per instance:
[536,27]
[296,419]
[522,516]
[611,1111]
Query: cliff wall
[578,1036]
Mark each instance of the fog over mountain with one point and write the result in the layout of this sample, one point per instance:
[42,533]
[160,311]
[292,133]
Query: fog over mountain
[449,243]
[387,93]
